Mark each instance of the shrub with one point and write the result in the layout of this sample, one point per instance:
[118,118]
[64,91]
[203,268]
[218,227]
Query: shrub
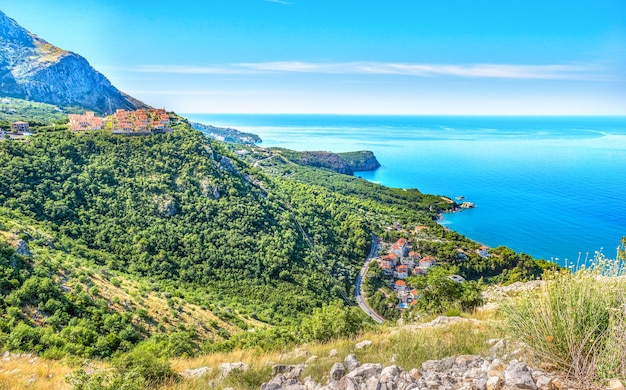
[115,380]
[332,321]
[146,361]
[181,344]
[250,379]
[576,321]
[25,338]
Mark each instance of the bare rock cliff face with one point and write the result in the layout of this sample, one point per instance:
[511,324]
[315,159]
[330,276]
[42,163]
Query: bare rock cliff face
[31,68]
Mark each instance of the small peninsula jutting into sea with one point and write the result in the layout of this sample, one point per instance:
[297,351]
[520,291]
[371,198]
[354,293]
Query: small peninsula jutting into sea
[281,194]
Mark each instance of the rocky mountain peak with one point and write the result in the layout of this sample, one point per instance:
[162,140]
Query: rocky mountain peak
[12,32]
[31,68]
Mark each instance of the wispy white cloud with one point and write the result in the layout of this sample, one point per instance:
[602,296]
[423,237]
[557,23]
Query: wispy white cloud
[279,2]
[510,71]
[497,71]
[185,69]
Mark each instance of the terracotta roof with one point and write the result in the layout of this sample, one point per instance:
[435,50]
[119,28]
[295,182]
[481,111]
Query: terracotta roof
[400,243]
[400,283]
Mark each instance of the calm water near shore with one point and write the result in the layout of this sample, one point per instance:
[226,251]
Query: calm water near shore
[552,187]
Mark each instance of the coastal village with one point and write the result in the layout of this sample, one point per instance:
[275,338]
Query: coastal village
[401,262]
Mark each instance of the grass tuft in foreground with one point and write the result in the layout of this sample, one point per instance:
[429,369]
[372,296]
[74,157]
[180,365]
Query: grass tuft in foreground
[577,321]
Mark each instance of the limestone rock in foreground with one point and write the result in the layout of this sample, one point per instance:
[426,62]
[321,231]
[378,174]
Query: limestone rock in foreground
[195,373]
[363,344]
[227,368]
[455,372]
[517,375]
[351,362]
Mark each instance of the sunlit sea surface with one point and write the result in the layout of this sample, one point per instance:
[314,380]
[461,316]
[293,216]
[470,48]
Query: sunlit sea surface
[552,187]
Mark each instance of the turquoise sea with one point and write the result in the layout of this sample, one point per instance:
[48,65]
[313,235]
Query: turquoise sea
[552,187]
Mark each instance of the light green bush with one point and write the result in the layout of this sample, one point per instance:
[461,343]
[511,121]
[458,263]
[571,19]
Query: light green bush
[145,360]
[576,321]
[114,380]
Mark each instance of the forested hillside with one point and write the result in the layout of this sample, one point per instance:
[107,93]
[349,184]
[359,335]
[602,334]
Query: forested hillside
[182,215]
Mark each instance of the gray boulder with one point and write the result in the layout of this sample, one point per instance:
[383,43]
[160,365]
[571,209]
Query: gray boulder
[196,372]
[288,371]
[337,371]
[517,376]
[366,371]
[22,249]
[348,383]
[390,374]
[363,344]
[351,362]
[227,368]
[439,365]
[271,386]
[311,384]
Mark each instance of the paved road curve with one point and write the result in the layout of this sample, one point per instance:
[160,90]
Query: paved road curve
[358,292]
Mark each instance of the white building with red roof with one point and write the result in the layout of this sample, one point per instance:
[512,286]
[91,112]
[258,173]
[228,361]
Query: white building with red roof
[400,247]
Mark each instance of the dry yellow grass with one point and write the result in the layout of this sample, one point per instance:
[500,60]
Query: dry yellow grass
[129,295]
[30,372]
[404,346]
[48,53]
[8,237]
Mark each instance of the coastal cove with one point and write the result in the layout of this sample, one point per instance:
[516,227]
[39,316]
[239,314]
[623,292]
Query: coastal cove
[551,187]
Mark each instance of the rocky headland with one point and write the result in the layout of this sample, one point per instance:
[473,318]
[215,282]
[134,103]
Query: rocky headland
[344,163]
[363,160]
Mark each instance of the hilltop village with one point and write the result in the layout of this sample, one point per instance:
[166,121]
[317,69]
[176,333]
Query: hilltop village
[139,122]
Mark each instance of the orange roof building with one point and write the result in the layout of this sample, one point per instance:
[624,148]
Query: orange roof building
[400,283]
[400,247]
[86,121]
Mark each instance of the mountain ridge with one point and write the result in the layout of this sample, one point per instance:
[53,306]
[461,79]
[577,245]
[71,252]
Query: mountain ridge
[31,68]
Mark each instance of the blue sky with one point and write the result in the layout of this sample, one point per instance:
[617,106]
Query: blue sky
[342,56]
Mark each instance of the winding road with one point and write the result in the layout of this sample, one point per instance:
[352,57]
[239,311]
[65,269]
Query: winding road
[358,287]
